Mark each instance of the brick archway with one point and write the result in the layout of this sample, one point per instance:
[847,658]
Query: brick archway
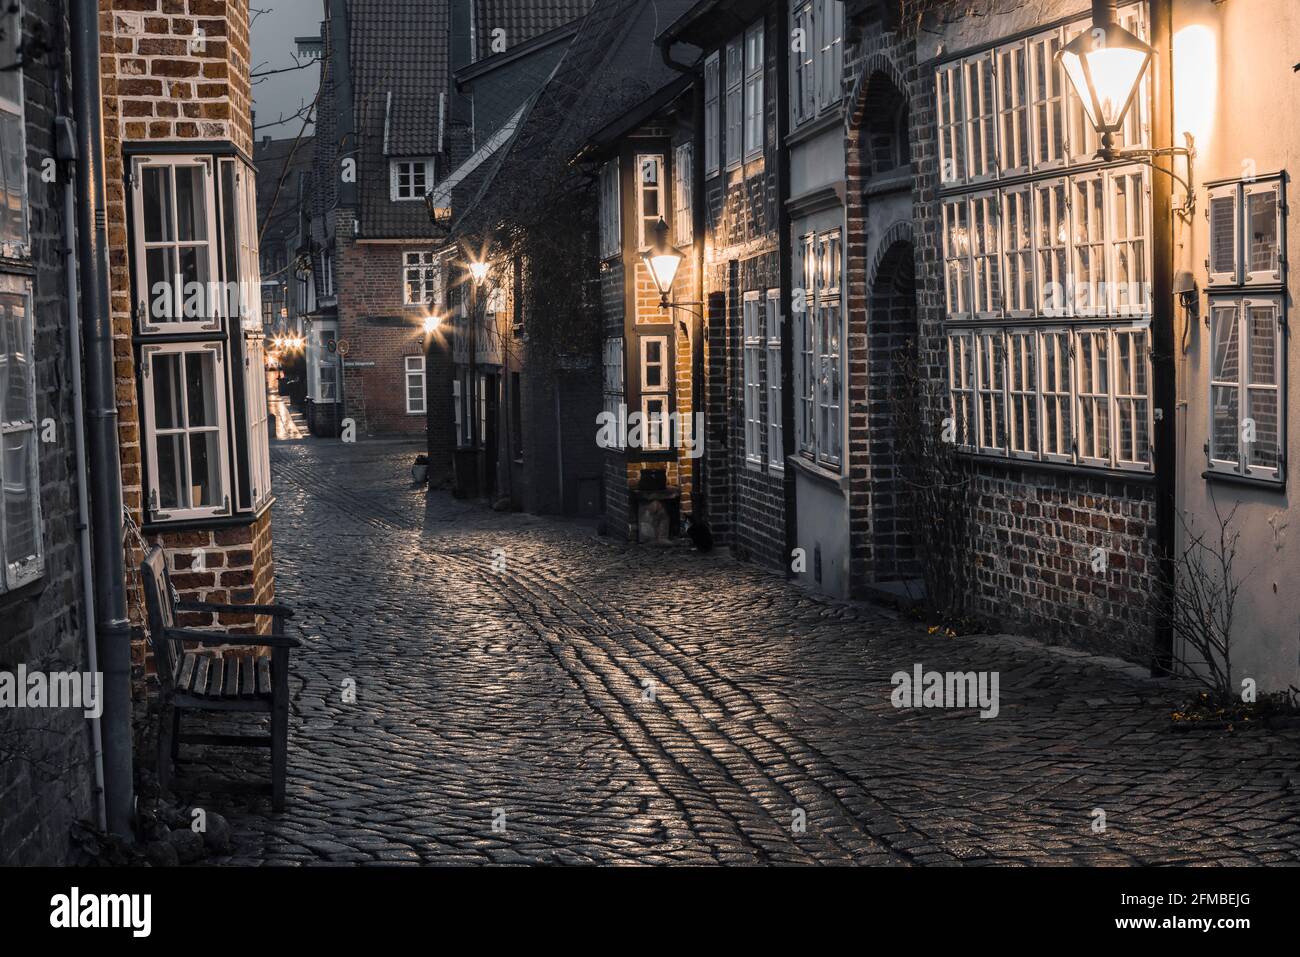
[891,331]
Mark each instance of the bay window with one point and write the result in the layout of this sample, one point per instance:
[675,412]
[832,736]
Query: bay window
[201,368]
[805,379]
[826,333]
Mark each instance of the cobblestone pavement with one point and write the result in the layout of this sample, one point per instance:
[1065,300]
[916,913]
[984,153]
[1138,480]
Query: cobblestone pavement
[610,703]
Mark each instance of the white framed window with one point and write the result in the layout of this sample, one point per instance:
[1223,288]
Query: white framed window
[420,275]
[755,112]
[712,115]
[1056,354]
[1088,241]
[1130,276]
[1046,112]
[951,111]
[803,53]
[1052,246]
[1022,393]
[829,31]
[985,250]
[775,429]
[1019,288]
[13,140]
[827,345]
[414,376]
[185,427]
[683,190]
[649,196]
[1132,372]
[410,179]
[753,347]
[257,421]
[805,304]
[1224,213]
[241,267]
[1013,109]
[174,233]
[1261,220]
[981,117]
[733,102]
[611,219]
[22,557]
[1247,378]
[990,389]
[961,388]
[655,385]
[956,257]
[1093,385]
[612,376]
[1136,131]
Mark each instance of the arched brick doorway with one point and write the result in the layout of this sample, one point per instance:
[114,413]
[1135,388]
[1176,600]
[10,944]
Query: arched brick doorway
[892,336]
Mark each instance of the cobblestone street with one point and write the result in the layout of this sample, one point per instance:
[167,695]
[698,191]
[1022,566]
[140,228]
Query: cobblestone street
[600,702]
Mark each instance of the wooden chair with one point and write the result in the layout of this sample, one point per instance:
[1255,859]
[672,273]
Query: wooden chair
[192,681]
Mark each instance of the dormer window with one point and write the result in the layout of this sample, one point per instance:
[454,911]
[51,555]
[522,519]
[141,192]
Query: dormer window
[410,179]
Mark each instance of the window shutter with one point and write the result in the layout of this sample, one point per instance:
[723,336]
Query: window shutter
[1225,243]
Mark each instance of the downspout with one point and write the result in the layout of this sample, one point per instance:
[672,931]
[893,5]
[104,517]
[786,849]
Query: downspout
[66,153]
[699,394]
[1164,382]
[104,473]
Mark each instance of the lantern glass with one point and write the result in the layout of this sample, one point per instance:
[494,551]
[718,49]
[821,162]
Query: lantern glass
[1105,65]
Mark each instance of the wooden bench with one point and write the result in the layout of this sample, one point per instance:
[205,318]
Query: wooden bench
[193,681]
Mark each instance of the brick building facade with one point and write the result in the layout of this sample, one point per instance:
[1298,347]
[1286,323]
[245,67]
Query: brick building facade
[177,125]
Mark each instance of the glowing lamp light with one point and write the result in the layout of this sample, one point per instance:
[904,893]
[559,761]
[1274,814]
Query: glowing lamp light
[663,261]
[1105,64]
[479,271]
[432,322]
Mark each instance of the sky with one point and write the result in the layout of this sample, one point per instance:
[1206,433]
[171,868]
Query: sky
[283,94]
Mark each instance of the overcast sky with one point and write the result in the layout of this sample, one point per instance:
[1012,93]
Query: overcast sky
[283,94]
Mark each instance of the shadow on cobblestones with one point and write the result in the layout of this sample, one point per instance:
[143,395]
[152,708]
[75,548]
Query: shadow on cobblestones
[593,701]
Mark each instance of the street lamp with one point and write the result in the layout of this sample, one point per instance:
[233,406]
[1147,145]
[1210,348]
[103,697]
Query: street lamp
[431,322]
[478,268]
[1105,65]
[662,260]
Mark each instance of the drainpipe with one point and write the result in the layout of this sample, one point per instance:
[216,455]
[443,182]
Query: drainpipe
[104,474]
[66,153]
[1164,384]
[698,324]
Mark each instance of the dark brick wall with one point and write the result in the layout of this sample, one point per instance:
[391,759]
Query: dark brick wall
[46,770]
[746,505]
[1034,528]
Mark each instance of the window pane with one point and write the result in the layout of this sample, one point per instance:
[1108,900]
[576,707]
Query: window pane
[191,214]
[1263,345]
[1261,231]
[16,401]
[198,391]
[194,279]
[204,463]
[166,391]
[20,532]
[157,199]
[172,467]
[1264,418]
[1223,401]
[12,172]
[1226,359]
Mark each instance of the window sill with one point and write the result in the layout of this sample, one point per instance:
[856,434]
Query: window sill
[1230,478]
[895,181]
[808,129]
[1061,468]
[219,521]
[817,472]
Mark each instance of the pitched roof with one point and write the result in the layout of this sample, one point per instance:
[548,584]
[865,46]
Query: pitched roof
[520,20]
[611,64]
